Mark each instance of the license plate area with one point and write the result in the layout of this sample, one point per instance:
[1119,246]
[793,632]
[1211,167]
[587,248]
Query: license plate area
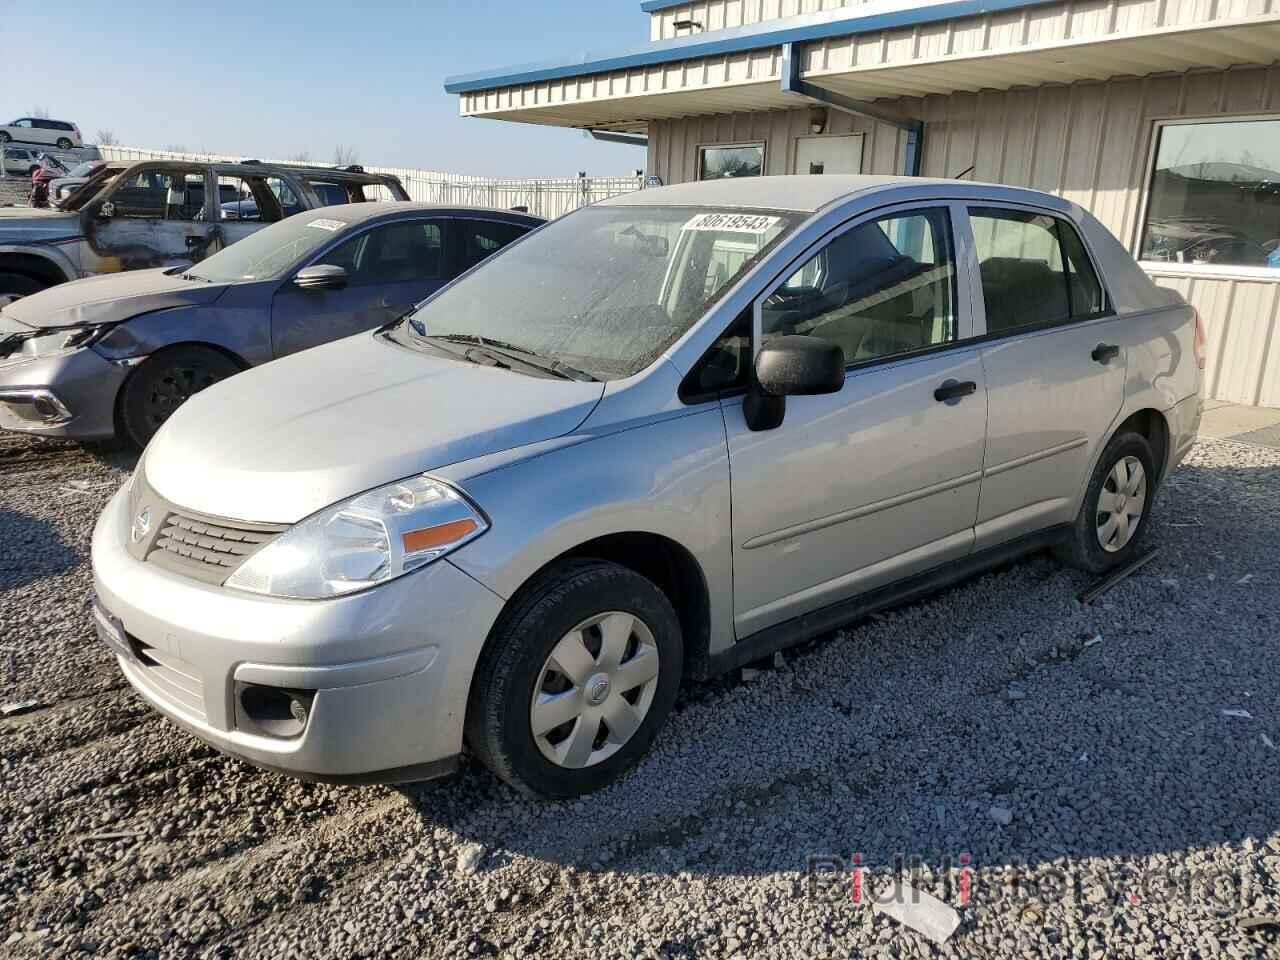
[111,632]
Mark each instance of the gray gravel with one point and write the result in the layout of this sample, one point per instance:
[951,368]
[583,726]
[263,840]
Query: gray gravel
[1105,802]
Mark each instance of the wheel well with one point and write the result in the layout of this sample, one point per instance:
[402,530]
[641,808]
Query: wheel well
[30,265]
[1152,425]
[231,355]
[675,572]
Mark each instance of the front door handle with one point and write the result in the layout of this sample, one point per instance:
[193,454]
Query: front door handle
[1105,352]
[952,391]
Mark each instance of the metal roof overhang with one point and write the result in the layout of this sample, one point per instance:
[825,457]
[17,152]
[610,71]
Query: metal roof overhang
[1220,44]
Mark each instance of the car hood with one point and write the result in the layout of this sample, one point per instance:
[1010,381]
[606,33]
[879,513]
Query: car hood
[37,225]
[111,297]
[279,442]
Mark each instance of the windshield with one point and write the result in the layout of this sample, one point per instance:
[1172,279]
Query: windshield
[608,288]
[270,251]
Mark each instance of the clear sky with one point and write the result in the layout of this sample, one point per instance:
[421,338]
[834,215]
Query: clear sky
[273,78]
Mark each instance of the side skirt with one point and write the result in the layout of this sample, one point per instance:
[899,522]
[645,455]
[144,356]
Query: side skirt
[766,642]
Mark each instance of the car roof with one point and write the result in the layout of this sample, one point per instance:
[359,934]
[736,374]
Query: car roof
[808,194]
[256,168]
[353,213]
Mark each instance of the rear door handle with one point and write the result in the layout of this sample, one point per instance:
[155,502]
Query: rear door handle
[952,391]
[1105,352]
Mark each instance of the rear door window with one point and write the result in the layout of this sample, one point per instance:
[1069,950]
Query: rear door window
[481,239]
[1034,269]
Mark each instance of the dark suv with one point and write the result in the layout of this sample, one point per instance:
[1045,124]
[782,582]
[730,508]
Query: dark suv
[154,214]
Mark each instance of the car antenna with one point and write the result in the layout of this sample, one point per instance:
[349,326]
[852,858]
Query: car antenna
[968,169]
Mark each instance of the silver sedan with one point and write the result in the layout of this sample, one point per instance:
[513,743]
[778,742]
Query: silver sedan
[660,438]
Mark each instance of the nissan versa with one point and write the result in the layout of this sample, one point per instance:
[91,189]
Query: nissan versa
[659,438]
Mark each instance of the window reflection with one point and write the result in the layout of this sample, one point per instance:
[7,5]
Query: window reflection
[1215,195]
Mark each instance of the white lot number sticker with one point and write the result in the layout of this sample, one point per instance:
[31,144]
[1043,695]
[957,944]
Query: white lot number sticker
[732,222]
[330,225]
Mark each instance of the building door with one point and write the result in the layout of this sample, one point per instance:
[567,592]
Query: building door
[829,155]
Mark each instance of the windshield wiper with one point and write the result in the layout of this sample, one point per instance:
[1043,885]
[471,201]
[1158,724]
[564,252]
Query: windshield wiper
[523,355]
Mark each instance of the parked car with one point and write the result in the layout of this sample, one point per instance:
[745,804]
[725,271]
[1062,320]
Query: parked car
[58,133]
[152,214]
[23,161]
[64,186]
[117,354]
[664,436]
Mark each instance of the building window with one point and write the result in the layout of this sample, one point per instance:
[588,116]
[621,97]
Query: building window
[732,160]
[1214,194]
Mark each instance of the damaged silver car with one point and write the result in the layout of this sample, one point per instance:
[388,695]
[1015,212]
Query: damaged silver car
[155,214]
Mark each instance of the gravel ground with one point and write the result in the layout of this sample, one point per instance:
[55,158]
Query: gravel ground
[1106,804]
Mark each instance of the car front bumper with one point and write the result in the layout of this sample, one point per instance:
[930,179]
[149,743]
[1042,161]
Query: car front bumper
[70,395]
[389,669]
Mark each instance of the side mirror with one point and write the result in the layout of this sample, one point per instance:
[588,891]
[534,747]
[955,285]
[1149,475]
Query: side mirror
[106,210]
[795,366]
[791,366]
[322,276]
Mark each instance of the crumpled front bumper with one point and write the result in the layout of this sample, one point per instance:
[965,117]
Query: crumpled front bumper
[70,395]
[390,668]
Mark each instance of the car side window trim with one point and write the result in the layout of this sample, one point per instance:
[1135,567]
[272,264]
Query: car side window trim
[979,307]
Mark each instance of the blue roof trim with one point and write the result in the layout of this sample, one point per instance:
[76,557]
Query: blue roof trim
[653,6]
[804,29]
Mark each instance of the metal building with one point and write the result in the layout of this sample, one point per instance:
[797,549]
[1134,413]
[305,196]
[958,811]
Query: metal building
[1160,116]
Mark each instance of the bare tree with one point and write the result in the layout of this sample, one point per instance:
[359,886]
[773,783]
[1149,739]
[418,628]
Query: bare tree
[40,113]
[106,138]
[303,156]
[344,156]
[176,148]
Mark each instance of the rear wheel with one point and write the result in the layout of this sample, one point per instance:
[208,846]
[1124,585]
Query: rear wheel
[576,680]
[165,382]
[1113,517]
[64,143]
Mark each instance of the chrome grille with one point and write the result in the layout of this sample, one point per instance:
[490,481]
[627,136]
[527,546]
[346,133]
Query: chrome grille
[206,549]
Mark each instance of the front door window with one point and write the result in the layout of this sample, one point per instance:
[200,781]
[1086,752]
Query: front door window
[883,288]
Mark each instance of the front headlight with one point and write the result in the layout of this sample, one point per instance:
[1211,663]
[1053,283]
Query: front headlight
[361,542]
[44,343]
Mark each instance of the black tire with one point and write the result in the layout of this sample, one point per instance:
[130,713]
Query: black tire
[64,143]
[1083,548]
[499,728]
[163,383]
[18,285]
[4,137]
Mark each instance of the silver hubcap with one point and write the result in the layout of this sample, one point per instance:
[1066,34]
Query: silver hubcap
[594,690]
[1120,504]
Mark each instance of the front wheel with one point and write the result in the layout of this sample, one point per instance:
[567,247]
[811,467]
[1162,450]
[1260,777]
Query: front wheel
[576,680]
[4,137]
[15,285]
[1113,516]
[166,381]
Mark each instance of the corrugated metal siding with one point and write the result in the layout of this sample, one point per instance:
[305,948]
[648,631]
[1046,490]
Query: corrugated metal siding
[1088,142]
[724,14]
[1058,42]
